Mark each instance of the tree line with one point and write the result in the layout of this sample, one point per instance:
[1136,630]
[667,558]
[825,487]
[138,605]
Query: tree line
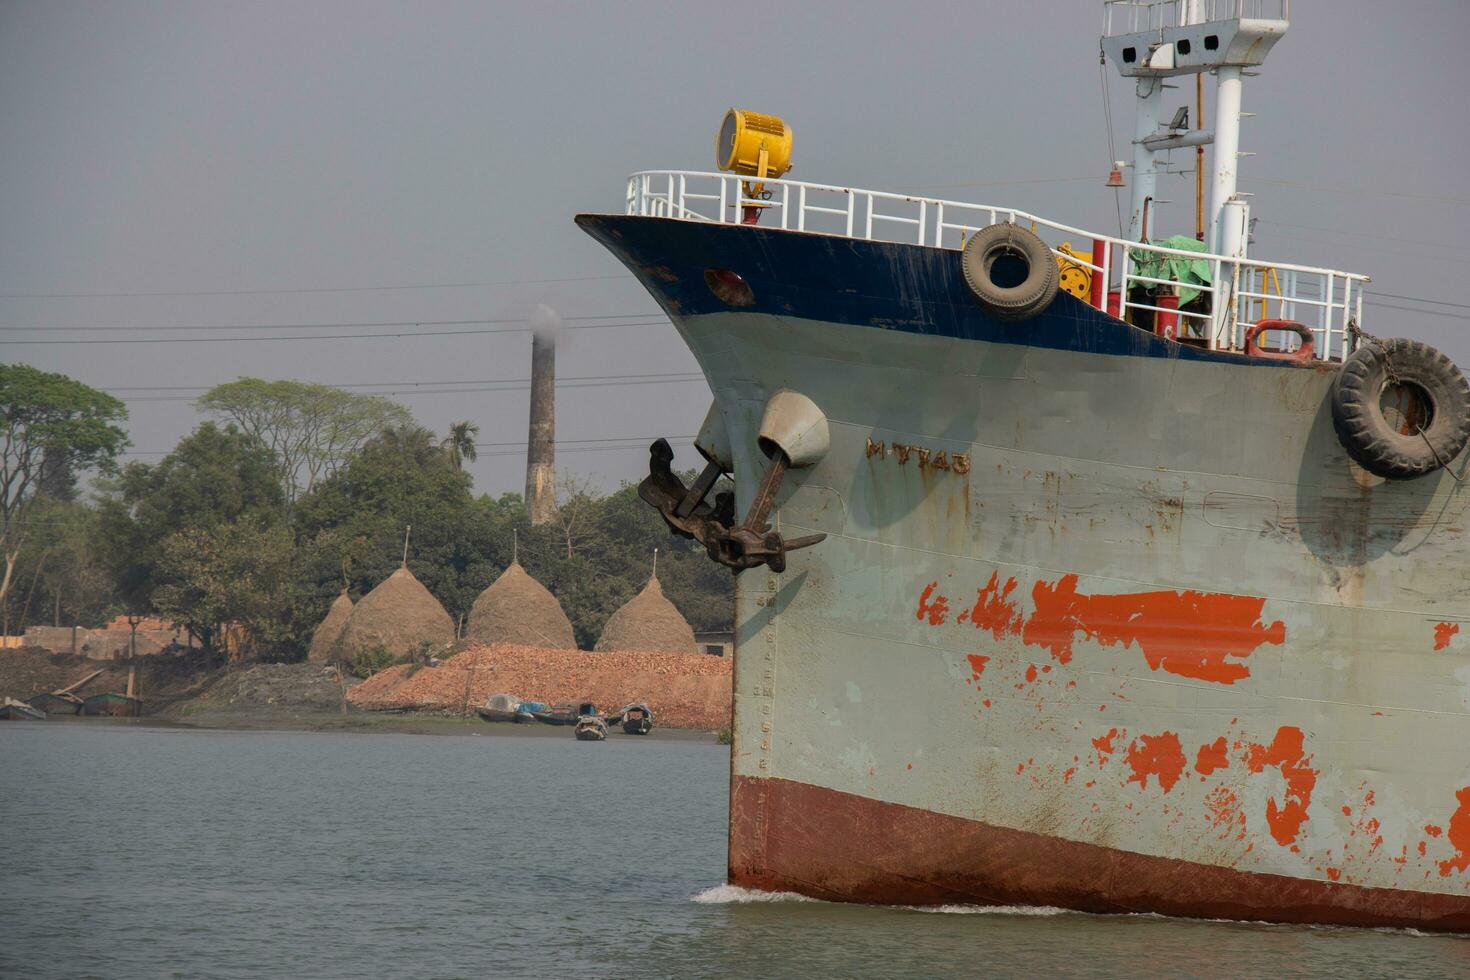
[285,495]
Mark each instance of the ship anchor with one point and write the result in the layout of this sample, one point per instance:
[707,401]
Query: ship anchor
[739,546]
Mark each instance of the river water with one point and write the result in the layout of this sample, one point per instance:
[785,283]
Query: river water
[129,851]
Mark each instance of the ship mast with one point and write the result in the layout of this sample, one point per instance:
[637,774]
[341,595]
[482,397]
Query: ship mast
[1150,41]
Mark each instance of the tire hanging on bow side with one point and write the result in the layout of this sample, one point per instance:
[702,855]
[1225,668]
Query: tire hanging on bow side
[1427,391]
[1011,271]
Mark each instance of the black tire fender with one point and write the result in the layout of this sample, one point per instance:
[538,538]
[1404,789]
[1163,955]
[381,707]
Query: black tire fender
[1010,245]
[1368,436]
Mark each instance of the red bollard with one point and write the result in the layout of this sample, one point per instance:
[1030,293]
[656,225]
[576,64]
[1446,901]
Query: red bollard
[1099,285]
[1167,324]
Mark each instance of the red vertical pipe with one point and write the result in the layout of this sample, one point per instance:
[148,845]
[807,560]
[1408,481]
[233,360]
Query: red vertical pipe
[1099,287]
[1167,324]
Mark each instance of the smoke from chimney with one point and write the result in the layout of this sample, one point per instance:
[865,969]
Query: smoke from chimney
[541,443]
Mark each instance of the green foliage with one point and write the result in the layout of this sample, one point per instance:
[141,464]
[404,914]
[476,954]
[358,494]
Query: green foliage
[262,520]
[53,427]
[357,518]
[213,478]
[236,574]
[724,736]
[310,429]
[61,577]
[372,661]
[460,444]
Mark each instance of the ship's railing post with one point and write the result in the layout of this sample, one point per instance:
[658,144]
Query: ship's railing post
[1325,310]
[868,233]
[1358,317]
[801,208]
[1331,290]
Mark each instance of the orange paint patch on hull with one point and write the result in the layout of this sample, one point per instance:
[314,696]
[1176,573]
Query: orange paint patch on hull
[1443,633]
[1286,754]
[1459,835]
[1211,757]
[1189,634]
[933,608]
[1223,807]
[993,611]
[1160,756]
[977,665]
[1104,746]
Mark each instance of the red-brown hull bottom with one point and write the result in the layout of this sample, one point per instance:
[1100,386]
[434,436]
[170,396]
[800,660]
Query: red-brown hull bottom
[789,836]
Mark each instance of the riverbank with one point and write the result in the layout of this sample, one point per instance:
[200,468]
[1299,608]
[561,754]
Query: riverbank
[212,718]
[687,693]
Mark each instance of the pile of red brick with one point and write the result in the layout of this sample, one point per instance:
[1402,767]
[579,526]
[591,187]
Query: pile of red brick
[684,690]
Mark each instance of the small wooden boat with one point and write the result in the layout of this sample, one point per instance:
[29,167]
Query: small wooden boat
[636,719]
[590,728]
[526,713]
[111,703]
[568,713]
[501,707]
[56,703]
[13,710]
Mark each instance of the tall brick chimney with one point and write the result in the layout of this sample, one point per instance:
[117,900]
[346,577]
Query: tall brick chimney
[541,443]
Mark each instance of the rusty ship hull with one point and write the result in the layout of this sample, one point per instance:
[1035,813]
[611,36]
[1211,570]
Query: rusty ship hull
[1101,621]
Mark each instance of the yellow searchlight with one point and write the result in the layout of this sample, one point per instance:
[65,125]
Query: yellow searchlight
[752,144]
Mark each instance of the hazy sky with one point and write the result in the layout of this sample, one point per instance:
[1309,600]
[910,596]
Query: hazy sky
[188,148]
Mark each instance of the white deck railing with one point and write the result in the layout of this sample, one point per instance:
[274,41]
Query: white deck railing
[1242,291]
[1136,16]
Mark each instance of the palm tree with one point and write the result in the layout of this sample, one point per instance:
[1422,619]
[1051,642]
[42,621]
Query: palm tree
[413,441]
[460,443]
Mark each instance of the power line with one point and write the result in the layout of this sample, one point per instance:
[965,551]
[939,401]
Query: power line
[1419,299]
[313,289]
[395,384]
[1314,186]
[560,443]
[686,378]
[1360,234]
[1001,183]
[1368,247]
[515,448]
[1410,309]
[340,336]
[328,326]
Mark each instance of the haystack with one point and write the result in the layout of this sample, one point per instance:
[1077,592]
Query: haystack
[398,615]
[648,621]
[518,609]
[324,640]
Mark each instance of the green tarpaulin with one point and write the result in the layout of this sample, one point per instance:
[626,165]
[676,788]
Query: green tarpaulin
[1186,271]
